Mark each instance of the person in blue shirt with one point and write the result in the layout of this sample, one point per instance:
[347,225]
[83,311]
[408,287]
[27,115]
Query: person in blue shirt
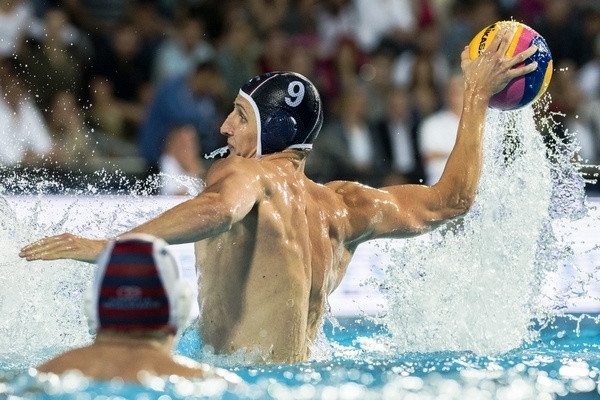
[190,99]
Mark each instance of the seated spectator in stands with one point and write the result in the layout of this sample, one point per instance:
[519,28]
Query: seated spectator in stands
[377,73]
[238,51]
[24,136]
[195,99]
[589,74]
[398,135]
[348,147]
[577,115]
[275,52]
[341,70]
[437,132]
[137,304]
[16,20]
[335,21]
[428,52]
[383,23]
[180,164]
[266,15]
[97,16]
[426,95]
[73,144]
[562,27]
[120,84]
[180,51]
[55,58]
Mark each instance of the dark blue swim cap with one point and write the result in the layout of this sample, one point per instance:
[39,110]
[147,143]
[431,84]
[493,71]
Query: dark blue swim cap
[288,109]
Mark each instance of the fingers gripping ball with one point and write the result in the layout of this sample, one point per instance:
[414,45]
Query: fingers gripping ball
[525,89]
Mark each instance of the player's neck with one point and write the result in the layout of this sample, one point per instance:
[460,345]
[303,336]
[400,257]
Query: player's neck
[296,157]
[132,342]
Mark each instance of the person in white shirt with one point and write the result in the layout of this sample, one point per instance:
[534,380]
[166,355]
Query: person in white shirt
[24,135]
[437,132]
[179,164]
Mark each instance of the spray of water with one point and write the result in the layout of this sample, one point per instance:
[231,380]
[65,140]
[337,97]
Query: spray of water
[473,285]
[41,303]
[476,284]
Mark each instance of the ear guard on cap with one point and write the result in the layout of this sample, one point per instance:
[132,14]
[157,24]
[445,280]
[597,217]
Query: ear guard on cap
[278,131]
[120,297]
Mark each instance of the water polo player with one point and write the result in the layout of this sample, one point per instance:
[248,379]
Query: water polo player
[136,304]
[270,244]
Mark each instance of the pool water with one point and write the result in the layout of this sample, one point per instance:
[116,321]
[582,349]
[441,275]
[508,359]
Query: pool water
[476,310]
[563,363]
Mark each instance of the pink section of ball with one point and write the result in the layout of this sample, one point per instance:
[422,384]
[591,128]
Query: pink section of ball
[525,39]
[510,97]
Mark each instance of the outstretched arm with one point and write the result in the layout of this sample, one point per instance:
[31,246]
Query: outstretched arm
[406,210]
[231,193]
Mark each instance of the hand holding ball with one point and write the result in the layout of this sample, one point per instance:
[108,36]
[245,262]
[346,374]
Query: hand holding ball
[525,89]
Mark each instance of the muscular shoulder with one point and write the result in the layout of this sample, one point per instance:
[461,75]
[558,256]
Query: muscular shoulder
[234,169]
[364,208]
[354,194]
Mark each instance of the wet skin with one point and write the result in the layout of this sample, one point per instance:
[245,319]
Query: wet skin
[271,245]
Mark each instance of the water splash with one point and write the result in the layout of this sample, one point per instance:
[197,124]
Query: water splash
[476,284]
[41,302]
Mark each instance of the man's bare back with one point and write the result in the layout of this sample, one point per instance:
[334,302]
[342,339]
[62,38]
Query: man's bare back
[271,244]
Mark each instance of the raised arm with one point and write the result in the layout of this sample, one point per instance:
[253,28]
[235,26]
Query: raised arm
[406,210]
[232,191]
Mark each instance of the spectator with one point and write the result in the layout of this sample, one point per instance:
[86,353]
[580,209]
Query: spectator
[427,51]
[74,145]
[348,148]
[423,89]
[383,23]
[275,52]
[137,304]
[180,164]
[437,133]
[150,22]
[341,71]
[398,133]
[467,18]
[267,15]
[589,74]
[194,99]
[24,136]
[98,16]
[120,85]
[55,59]
[579,116]
[377,74]
[238,51]
[562,28]
[300,18]
[589,18]
[16,19]
[335,21]
[181,51]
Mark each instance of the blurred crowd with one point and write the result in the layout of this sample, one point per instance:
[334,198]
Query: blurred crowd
[142,86]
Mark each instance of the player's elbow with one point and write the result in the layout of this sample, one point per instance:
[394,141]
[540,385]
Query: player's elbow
[456,203]
[456,206]
[465,203]
[462,204]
